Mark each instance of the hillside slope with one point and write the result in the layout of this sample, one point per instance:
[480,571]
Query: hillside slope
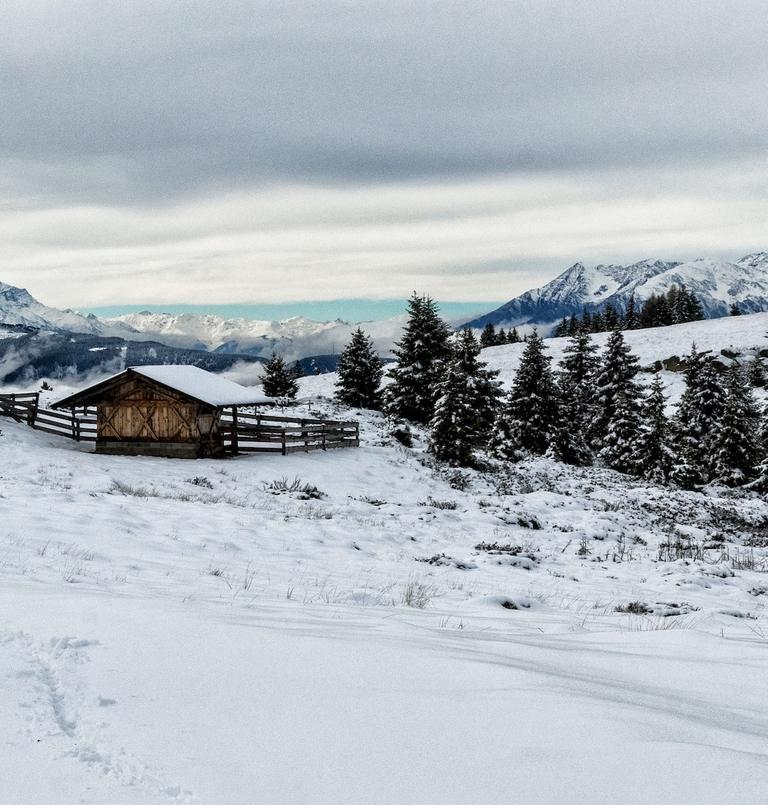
[365,625]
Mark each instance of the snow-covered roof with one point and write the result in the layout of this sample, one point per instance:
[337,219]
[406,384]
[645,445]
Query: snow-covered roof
[191,381]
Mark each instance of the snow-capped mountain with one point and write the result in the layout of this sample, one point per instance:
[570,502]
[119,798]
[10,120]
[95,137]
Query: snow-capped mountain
[293,338]
[717,283]
[20,310]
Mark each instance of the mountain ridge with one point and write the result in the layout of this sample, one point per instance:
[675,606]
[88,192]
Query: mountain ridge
[717,283]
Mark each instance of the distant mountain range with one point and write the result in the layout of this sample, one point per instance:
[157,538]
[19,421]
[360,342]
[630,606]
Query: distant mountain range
[38,341]
[717,284]
[293,338]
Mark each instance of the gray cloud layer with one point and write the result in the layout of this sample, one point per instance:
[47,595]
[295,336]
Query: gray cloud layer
[158,98]
[372,146]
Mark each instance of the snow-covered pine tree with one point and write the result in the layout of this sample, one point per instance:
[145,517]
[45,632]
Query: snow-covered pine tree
[468,400]
[756,372]
[653,456]
[360,371]
[576,379]
[696,422]
[620,441]
[528,421]
[421,354]
[616,375]
[736,444]
[277,379]
[760,482]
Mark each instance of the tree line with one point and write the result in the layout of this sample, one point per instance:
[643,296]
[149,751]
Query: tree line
[677,306]
[589,409]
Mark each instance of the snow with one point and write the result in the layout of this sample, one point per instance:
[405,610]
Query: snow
[203,386]
[196,632]
[293,338]
[732,334]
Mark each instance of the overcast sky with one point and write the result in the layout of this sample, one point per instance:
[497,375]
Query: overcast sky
[156,152]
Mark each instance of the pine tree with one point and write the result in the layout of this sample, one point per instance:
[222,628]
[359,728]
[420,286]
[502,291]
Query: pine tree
[576,379]
[736,445]
[488,336]
[734,310]
[631,318]
[360,372]
[623,430]
[513,337]
[696,422]
[562,329]
[653,456]
[610,317]
[597,322]
[528,421]
[468,400]
[756,373]
[296,370]
[760,483]
[277,380]
[616,375]
[421,354]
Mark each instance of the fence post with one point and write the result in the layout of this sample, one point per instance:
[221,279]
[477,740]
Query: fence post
[234,430]
[32,411]
[283,440]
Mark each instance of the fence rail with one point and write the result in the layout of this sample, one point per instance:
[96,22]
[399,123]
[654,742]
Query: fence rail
[242,431]
[79,425]
[248,432]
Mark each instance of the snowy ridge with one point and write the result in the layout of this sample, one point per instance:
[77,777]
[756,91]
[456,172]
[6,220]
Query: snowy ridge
[717,283]
[293,338]
[18,308]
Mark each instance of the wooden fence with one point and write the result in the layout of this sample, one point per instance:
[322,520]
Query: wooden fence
[79,424]
[246,432]
[242,431]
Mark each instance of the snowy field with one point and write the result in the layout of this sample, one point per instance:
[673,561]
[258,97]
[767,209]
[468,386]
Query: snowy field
[361,626]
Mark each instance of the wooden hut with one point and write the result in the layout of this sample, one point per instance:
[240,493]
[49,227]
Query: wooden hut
[173,411]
